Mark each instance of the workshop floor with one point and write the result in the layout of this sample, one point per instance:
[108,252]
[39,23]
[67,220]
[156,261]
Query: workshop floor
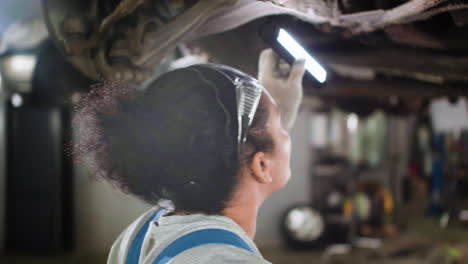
[274,255]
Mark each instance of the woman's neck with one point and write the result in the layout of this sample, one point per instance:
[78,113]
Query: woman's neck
[245,216]
[243,209]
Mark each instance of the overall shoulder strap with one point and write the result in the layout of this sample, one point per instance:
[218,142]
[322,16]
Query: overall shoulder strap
[133,255]
[186,242]
[199,238]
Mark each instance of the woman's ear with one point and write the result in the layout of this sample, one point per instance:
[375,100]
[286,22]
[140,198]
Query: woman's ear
[260,166]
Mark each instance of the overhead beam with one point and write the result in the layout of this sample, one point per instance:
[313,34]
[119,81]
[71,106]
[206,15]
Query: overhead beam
[339,86]
[409,63]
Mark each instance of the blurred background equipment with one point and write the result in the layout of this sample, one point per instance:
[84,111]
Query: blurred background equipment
[304,227]
[38,201]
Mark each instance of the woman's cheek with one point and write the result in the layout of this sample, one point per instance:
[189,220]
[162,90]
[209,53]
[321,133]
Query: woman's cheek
[286,157]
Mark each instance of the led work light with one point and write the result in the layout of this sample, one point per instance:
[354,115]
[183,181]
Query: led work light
[289,48]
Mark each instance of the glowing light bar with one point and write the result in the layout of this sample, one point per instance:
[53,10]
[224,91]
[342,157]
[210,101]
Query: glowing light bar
[298,52]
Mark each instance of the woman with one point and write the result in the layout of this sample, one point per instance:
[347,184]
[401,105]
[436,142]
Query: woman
[205,145]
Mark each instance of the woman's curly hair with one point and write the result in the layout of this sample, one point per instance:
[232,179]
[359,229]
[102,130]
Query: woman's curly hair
[176,139]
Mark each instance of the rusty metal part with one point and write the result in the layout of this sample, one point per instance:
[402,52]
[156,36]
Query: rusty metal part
[409,34]
[447,7]
[408,73]
[361,20]
[124,40]
[128,42]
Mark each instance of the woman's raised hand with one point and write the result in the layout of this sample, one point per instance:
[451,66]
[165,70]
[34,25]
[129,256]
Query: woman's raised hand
[283,82]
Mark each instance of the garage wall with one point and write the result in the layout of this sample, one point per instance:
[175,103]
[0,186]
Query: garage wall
[101,212]
[2,166]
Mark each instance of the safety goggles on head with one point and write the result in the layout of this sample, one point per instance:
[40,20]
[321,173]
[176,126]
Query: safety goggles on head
[248,93]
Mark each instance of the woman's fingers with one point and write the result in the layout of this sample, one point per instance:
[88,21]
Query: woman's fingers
[283,83]
[268,66]
[297,72]
[266,63]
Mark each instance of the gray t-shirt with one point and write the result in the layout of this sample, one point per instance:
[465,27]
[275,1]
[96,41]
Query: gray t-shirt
[172,227]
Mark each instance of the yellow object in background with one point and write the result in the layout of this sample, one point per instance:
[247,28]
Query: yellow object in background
[348,207]
[388,202]
[358,204]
